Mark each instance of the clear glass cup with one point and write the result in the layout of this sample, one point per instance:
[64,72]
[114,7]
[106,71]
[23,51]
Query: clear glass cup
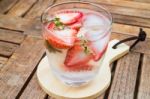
[78,74]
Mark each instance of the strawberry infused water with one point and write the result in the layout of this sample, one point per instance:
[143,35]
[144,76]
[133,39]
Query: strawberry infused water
[76,40]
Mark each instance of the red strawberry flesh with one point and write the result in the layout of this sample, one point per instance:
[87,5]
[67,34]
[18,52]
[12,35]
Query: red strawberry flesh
[69,17]
[84,67]
[76,25]
[77,57]
[60,38]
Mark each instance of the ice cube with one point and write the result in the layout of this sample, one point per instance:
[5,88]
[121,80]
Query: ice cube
[93,19]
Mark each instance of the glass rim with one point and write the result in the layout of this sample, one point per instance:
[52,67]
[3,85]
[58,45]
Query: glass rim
[84,2]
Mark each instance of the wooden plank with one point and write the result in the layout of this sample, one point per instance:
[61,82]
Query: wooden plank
[142,22]
[38,8]
[21,7]
[128,11]
[60,1]
[5,5]
[3,61]
[126,15]
[144,88]
[128,29]
[33,90]
[145,1]
[6,49]
[11,36]
[19,67]
[125,3]
[34,28]
[123,10]
[124,81]
[141,47]
[30,26]
[14,23]
[104,95]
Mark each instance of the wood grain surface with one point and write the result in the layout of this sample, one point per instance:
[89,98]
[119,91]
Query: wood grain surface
[38,8]
[33,90]
[11,36]
[123,85]
[5,5]
[144,88]
[21,7]
[19,67]
[7,49]
[21,48]
[3,60]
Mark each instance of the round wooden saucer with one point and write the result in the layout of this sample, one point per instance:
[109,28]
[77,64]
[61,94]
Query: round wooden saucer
[55,88]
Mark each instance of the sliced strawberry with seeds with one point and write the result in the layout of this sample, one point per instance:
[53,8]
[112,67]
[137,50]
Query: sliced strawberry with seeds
[51,25]
[97,41]
[77,68]
[99,46]
[99,53]
[69,17]
[77,57]
[76,25]
[64,38]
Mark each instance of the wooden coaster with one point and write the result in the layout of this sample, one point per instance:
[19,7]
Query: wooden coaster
[59,90]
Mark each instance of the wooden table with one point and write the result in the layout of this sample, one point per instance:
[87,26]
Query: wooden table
[21,49]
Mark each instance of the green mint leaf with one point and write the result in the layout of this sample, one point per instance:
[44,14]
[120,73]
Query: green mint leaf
[57,19]
[86,50]
[84,44]
[58,24]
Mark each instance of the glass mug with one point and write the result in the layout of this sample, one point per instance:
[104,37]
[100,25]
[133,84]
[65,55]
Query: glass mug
[76,36]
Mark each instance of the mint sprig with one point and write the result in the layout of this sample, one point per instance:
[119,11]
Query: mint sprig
[84,44]
[58,23]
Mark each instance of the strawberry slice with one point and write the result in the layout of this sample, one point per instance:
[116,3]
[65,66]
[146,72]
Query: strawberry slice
[76,57]
[69,17]
[98,51]
[76,25]
[97,40]
[98,43]
[77,68]
[60,38]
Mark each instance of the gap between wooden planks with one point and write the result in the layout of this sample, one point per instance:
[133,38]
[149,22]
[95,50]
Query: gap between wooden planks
[33,90]
[11,36]
[19,67]
[124,82]
[144,87]
[21,7]
[6,5]
[38,8]
[30,8]
[7,49]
